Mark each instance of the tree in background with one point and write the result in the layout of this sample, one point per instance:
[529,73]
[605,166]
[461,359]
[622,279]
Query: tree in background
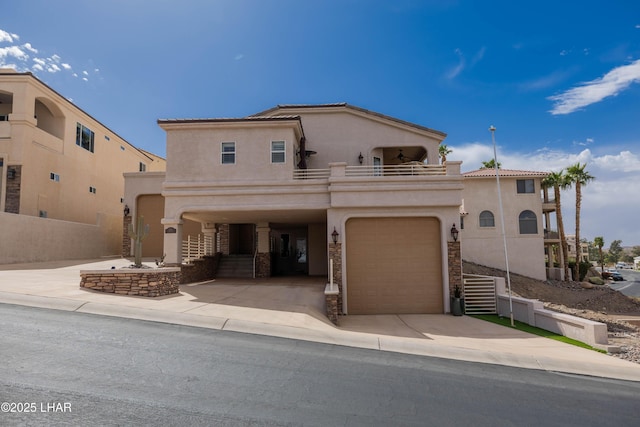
[614,253]
[558,181]
[577,175]
[490,164]
[599,242]
[443,152]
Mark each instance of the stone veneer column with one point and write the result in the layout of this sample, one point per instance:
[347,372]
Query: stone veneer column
[263,258]
[223,230]
[455,266]
[335,253]
[126,240]
[12,204]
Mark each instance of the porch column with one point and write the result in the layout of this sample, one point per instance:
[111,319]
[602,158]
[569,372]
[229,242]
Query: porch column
[455,266]
[263,257]
[172,241]
[209,232]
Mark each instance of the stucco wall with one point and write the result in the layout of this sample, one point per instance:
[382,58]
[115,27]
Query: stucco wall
[484,245]
[33,239]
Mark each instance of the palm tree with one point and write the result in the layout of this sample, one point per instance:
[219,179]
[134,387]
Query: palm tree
[558,181]
[443,151]
[599,242]
[490,164]
[579,176]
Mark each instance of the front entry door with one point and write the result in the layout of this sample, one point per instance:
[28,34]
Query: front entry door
[290,252]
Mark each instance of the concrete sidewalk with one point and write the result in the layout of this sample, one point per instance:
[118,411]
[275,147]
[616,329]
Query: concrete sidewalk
[283,308]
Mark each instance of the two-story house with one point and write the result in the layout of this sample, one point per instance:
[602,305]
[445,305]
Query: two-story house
[61,171]
[524,222]
[316,190]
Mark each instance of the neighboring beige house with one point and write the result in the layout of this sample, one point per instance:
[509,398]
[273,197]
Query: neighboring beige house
[61,171]
[524,209]
[571,248]
[310,189]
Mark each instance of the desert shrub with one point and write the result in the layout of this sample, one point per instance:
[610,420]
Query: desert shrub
[596,280]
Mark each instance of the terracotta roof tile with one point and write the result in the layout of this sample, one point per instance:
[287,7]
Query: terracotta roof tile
[482,173]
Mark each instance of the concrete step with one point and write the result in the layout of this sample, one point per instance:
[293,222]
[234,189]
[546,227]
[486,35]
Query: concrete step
[235,266]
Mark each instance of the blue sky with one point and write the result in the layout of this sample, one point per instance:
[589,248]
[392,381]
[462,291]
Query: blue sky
[559,80]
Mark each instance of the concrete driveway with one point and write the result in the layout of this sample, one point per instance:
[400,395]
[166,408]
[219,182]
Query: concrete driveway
[293,307]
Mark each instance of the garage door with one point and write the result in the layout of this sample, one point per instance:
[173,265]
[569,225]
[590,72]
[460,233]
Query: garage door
[394,266]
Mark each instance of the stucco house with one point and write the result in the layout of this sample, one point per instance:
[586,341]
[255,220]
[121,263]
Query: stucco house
[61,175]
[526,222]
[322,190]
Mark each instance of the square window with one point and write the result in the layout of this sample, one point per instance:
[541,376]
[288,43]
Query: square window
[228,153]
[54,177]
[525,186]
[277,151]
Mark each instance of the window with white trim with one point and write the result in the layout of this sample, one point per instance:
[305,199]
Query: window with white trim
[92,190]
[143,167]
[54,177]
[277,152]
[228,153]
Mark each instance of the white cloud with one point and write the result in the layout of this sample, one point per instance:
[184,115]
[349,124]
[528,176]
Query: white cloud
[453,73]
[612,83]
[238,57]
[14,52]
[86,73]
[30,48]
[8,37]
[609,207]
[17,57]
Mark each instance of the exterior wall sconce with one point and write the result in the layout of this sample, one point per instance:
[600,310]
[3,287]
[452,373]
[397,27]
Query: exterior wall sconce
[454,233]
[11,173]
[360,158]
[334,236]
[126,210]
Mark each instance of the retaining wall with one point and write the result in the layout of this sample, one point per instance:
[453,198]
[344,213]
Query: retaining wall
[133,281]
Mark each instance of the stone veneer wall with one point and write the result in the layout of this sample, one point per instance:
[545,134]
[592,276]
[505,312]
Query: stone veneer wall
[263,265]
[201,269]
[455,266]
[12,201]
[332,307]
[141,282]
[335,253]
[126,240]
[223,230]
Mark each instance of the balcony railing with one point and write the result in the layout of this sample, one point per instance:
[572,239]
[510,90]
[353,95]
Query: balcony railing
[373,171]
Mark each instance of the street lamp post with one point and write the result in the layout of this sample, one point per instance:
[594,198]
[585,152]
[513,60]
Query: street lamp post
[492,129]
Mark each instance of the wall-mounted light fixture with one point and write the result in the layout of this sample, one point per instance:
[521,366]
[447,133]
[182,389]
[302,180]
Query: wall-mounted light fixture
[454,233]
[126,210]
[11,173]
[334,235]
[360,158]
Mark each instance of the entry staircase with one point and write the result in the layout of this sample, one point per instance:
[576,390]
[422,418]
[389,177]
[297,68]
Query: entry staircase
[235,266]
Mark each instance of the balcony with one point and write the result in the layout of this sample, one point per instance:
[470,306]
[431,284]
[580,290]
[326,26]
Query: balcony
[341,170]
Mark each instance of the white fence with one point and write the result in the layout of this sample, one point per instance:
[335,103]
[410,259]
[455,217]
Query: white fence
[479,294]
[194,247]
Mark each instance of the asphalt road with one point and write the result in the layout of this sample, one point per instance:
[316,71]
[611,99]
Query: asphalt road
[630,286]
[76,369]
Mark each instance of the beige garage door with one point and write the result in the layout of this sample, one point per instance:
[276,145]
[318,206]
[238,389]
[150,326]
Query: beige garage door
[394,266]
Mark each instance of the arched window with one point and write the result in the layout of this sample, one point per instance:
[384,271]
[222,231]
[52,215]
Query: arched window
[486,219]
[528,223]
